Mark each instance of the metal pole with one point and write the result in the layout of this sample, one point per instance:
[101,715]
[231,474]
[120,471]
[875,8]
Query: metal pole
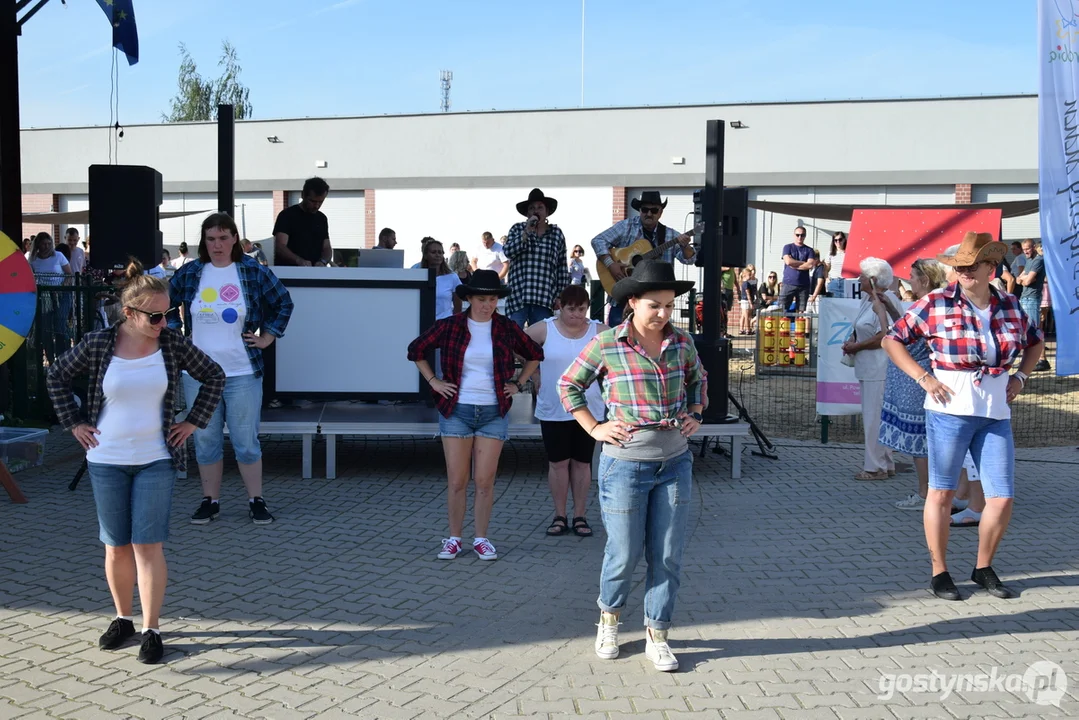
[226,159]
[582,53]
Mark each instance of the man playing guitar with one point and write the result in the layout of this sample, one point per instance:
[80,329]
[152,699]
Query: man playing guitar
[646,225]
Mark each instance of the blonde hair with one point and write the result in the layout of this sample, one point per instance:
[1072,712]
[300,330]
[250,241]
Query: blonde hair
[934,272]
[140,287]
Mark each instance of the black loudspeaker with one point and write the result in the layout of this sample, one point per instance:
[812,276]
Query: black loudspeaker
[735,214]
[124,205]
[714,356]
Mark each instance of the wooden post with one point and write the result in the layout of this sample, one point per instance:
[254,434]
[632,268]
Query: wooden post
[9,484]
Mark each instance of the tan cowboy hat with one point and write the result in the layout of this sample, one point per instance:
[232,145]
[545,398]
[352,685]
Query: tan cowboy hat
[976,248]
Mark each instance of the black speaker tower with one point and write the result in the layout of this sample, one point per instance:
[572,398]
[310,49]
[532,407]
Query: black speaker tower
[124,204]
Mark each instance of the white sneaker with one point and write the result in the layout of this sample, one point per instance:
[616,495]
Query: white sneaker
[911,502]
[485,550]
[607,636]
[658,651]
[450,549]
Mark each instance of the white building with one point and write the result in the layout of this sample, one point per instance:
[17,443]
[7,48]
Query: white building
[455,175]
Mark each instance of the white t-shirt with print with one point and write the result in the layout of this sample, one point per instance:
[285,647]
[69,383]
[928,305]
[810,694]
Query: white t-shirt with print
[217,319]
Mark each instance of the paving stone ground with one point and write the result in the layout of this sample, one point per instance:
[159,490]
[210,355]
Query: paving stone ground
[801,590]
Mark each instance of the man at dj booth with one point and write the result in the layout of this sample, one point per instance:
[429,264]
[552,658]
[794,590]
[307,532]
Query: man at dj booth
[302,232]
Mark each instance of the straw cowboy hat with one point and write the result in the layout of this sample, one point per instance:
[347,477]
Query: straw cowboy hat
[650,197]
[976,248]
[647,276]
[483,282]
[537,195]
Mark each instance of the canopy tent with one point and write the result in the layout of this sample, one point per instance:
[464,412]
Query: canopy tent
[824,211]
[82,217]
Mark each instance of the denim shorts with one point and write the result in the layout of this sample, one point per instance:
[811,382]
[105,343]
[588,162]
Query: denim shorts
[240,408]
[1032,308]
[133,501]
[474,421]
[990,444]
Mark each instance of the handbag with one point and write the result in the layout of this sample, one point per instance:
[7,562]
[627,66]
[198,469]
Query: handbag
[847,359]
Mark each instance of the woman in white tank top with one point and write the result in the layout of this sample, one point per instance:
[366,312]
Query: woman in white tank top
[569,447]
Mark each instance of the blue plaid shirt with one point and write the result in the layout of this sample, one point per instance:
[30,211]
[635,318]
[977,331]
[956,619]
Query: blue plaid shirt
[626,232]
[269,305]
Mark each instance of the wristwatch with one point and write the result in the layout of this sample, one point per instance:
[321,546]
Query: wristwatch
[697,416]
[519,388]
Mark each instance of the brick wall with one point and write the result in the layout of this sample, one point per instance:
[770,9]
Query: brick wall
[39,203]
[280,202]
[963,193]
[618,204]
[370,230]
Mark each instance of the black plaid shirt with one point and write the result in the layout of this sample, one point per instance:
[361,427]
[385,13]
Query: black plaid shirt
[538,268]
[92,356]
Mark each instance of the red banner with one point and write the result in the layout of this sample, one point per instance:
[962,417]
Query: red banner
[902,236]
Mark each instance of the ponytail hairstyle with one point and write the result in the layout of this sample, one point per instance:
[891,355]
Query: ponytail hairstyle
[140,287]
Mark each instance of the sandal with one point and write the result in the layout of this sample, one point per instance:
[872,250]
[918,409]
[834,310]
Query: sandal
[558,526]
[866,475]
[966,518]
[581,527]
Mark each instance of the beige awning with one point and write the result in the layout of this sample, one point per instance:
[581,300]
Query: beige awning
[824,211]
[82,217]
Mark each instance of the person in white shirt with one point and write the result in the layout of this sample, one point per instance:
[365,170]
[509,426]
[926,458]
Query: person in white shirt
[78,256]
[491,257]
[182,259]
[446,281]
[569,448]
[164,269]
[51,268]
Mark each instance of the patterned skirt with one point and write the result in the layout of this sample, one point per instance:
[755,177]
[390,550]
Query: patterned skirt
[902,417]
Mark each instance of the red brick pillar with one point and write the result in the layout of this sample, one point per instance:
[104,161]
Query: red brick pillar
[370,230]
[618,204]
[963,193]
[280,202]
[36,204]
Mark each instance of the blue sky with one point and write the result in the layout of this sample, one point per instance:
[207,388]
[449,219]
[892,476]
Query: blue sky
[370,57]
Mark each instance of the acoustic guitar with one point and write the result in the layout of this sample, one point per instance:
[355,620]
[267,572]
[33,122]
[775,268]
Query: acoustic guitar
[630,255]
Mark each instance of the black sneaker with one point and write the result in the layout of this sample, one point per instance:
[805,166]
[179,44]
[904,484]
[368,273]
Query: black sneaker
[207,511]
[988,579]
[119,632]
[1042,366]
[258,512]
[943,587]
[151,651]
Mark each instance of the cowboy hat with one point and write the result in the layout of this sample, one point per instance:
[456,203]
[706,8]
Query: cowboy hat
[483,282]
[650,197]
[649,275]
[976,248]
[537,194]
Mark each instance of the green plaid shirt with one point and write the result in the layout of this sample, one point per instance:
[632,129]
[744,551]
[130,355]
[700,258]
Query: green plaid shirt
[639,390]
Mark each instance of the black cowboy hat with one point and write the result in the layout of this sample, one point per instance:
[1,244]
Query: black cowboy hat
[537,194]
[648,196]
[483,282]
[649,275]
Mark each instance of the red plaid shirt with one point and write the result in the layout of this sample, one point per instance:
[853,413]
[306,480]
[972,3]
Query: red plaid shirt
[947,321]
[451,335]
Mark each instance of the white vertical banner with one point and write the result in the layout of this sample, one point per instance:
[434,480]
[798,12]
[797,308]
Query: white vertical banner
[1058,169]
[837,387]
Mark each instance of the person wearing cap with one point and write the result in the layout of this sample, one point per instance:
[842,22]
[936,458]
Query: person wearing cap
[976,334]
[645,225]
[538,271]
[473,396]
[655,390]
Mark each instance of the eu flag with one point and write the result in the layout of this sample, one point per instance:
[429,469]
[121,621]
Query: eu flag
[125,36]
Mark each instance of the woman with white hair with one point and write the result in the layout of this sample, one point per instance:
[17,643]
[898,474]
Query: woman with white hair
[871,363]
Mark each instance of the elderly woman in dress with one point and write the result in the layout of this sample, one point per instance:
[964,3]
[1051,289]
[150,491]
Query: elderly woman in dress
[975,334]
[871,363]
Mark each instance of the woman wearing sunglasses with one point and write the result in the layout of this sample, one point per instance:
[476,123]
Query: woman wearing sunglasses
[836,255]
[578,272]
[234,308]
[133,446]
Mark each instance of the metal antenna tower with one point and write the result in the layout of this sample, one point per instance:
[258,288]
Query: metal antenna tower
[445,78]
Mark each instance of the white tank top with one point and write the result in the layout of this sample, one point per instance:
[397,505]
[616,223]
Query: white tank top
[559,352]
[131,419]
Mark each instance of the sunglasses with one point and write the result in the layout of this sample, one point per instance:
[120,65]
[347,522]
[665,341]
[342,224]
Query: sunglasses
[967,268]
[651,210]
[799,234]
[154,318]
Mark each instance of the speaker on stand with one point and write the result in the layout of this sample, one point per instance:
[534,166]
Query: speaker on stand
[124,204]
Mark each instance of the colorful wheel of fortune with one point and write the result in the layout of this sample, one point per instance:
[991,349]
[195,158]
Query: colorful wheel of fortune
[18,298]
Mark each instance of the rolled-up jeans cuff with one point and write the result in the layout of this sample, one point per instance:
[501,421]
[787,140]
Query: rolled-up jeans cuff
[608,608]
[656,624]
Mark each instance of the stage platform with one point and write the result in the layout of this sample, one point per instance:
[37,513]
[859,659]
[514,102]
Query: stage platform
[334,419]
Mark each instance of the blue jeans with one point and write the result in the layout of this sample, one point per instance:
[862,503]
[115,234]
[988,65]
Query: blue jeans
[836,287]
[645,507]
[530,315]
[241,409]
[990,444]
[468,421]
[1033,309]
[133,501]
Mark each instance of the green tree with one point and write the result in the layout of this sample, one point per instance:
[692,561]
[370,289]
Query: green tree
[197,98]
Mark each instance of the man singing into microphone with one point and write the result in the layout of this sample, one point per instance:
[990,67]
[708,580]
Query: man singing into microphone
[537,254]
